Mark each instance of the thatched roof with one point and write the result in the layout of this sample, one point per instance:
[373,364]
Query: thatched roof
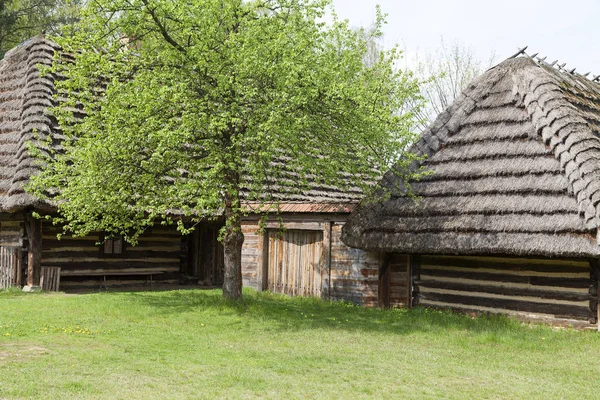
[516,171]
[25,97]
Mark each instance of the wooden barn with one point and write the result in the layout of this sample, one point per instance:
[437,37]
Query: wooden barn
[508,221]
[307,258]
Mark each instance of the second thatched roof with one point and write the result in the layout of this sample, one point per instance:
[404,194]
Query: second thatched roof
[515,164]
[26,96]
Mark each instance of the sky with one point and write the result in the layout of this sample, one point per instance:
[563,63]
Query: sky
[566,31]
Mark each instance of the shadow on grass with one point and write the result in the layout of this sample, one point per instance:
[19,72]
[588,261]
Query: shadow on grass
[285,313]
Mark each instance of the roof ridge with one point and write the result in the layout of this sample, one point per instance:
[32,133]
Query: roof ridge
[554,64]
[545,92]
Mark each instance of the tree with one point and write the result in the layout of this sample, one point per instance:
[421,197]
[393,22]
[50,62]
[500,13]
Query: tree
[195,109]
[22,19]
[443,75]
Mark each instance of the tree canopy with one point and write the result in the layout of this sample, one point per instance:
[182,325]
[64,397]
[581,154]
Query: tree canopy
[22,19]
[189,110]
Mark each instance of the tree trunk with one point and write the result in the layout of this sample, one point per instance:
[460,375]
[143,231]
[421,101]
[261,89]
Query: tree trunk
[232,243]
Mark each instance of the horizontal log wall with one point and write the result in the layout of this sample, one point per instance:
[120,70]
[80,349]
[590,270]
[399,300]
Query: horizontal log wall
[159,249]
[352,275]
[12,233]
[545,288]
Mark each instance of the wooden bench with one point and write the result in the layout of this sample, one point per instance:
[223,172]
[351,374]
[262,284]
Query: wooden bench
[147,272]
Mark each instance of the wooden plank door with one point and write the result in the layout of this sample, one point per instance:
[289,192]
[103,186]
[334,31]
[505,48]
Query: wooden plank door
[295,262]
[394,285]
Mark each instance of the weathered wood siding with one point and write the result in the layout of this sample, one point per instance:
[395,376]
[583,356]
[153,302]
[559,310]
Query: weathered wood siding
[552,288]
[347,274]
[159,249]
[11,257]
[252,256]
[295,262]
[50,279]
[354,272]
[10,263]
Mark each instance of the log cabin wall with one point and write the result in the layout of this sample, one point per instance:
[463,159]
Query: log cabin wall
[348,274]
[82,260]
[12,233]
[526,287]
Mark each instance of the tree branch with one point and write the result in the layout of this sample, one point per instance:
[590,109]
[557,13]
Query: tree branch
[162,28]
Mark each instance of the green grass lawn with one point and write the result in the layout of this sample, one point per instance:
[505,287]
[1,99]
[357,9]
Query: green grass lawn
[192,344]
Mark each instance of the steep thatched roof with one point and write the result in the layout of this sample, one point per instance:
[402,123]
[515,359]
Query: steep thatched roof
[516,171]
[25,97]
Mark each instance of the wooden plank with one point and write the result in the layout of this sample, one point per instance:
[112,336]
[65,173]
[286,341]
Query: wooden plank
[64,239]
[294,226]
[18,267]
[86,255]
[498,276]
[5,271]
[499,283]
[108,271]
[119,260]
[50,279]
[559,310]
[109,264]
[500,296]
[494,269]
[519,314]
[507,260]
[326,269]
[508,289]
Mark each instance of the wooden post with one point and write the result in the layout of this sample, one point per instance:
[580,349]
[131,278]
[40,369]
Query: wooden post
[34,254]
[194,251]
[594,290]
[19,268]
[262,281]
[414,276]
[327,227]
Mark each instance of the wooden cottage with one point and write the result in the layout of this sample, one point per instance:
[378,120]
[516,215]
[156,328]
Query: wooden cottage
[508,220]
[30,252]
[307,258]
